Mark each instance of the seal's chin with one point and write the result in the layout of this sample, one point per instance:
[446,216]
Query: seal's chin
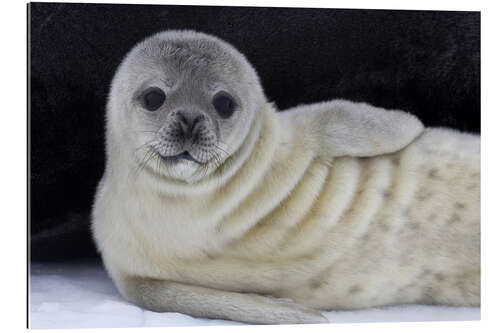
[182,166]
[184,156]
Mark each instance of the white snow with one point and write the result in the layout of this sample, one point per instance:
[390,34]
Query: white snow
[81,295]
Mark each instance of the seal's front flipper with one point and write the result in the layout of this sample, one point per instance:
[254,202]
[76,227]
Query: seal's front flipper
[165,296]
[355,129]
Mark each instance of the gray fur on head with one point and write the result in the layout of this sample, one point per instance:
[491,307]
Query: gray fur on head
[190,68]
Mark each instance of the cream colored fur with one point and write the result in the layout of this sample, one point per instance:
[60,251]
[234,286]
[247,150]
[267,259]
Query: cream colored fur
[335,205]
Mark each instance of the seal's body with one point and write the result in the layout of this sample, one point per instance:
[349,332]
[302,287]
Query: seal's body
[335,205]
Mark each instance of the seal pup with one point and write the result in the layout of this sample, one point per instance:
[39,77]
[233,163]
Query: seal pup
[215,205]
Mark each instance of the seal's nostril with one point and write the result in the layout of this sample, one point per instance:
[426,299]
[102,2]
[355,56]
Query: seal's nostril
[183,119]
[185,124]
[197,120]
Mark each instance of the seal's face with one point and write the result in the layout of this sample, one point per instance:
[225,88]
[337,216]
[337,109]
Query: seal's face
[185,102]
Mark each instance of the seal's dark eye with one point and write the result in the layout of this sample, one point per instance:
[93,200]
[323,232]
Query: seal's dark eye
[152,98]
[224,104]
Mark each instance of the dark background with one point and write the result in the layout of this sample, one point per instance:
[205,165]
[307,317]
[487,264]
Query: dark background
[424,62]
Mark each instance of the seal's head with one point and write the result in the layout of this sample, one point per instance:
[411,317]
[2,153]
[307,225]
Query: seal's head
[181,103]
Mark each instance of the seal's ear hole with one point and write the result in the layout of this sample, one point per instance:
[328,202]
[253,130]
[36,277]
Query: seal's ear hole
[224,104]
[152,98]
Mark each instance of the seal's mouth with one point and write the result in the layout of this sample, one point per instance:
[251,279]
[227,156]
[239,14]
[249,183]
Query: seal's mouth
[179,157]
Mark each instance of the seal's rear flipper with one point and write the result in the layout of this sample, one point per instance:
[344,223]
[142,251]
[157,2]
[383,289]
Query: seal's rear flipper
[346,128]
[165,296]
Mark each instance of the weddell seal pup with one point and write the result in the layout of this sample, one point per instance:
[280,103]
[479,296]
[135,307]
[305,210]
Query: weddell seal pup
[215,205]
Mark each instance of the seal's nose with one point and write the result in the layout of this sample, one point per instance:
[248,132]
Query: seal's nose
[189,122]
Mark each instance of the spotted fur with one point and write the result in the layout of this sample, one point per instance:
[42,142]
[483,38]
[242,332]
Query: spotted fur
[334,205]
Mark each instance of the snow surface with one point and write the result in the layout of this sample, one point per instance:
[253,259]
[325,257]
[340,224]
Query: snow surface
[81,295]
